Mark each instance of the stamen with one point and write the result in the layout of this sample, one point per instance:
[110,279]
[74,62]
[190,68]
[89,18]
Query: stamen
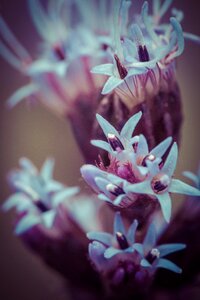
[121,69]
[160,183]
[115,142]
[122,241]
[60,54]
[149,157]
[114,189]
[139,41]
[155,252]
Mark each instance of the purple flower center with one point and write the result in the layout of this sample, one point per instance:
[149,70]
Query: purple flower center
[114,189]
[41,206]
[143,53]
[58,51]
[160,183]
[121,69]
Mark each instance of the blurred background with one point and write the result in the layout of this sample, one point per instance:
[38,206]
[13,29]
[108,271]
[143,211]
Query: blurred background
[36,133]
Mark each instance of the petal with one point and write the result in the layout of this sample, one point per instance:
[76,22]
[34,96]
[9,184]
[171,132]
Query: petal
[102,237]
[139,248]
[160,150]
[89,172]
[48,218]
[131,232]
[47,169]
[118,224]
[13,201]
[170,163]
[118,200]
[180,187]
[140,188]
[22,93]
[101,184]
[167,264]
[63,195]
[166,205]
[170,248]
[101,144]
[110,252]
[150,238]
[192,177]
[129,127]
[111,84]
[28,166]
[106,126]
[142,148]
[105,69]
[144,263]
[179,33]
[26,223]
[103,197]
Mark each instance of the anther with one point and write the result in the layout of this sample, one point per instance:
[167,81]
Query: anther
[114,189]
[122,241]
[115,142]
[160,183]
[120,67]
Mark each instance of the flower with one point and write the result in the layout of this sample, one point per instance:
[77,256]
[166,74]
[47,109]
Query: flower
[37,195]
[119,242]
[134,169]
[152,255]
[160,183]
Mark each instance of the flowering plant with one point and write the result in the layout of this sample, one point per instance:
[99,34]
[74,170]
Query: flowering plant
[127,127]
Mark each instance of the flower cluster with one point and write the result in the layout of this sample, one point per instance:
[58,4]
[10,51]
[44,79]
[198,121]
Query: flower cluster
[134,169]
[139,111]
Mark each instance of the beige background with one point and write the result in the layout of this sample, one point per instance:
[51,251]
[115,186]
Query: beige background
[36,133]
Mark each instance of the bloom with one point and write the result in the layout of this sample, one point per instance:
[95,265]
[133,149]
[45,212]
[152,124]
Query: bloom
[152,255]
[37,195]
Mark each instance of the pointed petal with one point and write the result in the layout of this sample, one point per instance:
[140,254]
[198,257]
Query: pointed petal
[139,248]
[101,144]
[22,93]
[180,187]
[28,166]
[118,200]
[14,201]
[26,223]
[144,263]
[160,150]
[179,33]
[140,188]
[131,232]
[89,172]
[142,148]
[105,69]
[48,218]
[47,169]
[129,127]
[111,84]
[110,252]
[63,195]
[169,248]
[166,205]
[192,177]
[170,163]
[102,237]
[118,224]
[101,184]
[167,264]
[150,238]
[106,126]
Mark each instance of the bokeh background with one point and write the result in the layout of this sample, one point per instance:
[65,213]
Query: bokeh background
[36,133]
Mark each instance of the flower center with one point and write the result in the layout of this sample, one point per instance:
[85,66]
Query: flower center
[152,255]
[160,183]
[59,53]
[143,53]
[41,206]
[122,241]
[115,142]
[120,67]
[114,189]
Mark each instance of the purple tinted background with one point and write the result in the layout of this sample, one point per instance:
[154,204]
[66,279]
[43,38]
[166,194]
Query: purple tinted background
[36,133]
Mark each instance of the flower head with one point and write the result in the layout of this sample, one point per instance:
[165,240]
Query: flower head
[37,195]
[120,242]
[152,255]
